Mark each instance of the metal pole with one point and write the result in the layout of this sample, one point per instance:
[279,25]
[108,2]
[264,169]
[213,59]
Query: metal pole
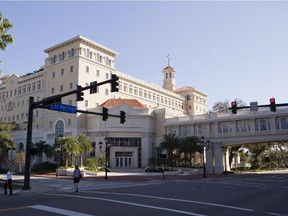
[204,163]
[28,145]
[225,161]
[106,163]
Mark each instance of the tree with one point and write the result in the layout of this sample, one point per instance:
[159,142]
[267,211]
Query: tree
[20,160]
[170,142]
[5,38]
[188,146]
[85,145]
[223,106]
[257,149]
[41,147]
[6,141]
[69,147]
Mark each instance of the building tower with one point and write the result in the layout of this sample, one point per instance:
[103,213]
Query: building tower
[169,82]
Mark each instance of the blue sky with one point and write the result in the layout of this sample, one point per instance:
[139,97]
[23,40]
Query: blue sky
[226,49]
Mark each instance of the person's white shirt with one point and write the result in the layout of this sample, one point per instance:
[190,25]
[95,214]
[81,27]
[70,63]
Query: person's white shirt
[9,175]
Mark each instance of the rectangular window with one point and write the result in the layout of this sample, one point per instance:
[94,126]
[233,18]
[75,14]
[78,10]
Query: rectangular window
[72,52]
[33,86]
[63,55]
[71,68]
[62,72]
[29,88]
[52,90]
[61,88]
[38,85]
[53,74]
[87,69]
[71,85]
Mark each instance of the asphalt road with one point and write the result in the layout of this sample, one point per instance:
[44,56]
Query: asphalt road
[232,195]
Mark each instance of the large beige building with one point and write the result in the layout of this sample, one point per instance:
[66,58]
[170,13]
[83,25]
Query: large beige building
[80,61]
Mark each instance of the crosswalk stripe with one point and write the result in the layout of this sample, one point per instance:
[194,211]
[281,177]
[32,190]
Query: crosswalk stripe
[58,210]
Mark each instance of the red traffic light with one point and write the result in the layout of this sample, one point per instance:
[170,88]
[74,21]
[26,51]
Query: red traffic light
[272,104]
[234,107]
[272,100]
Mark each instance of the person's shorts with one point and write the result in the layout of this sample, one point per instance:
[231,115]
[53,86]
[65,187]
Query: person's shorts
[76,180]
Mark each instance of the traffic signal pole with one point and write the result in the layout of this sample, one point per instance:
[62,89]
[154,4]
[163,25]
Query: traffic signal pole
[45,103]
[28,145]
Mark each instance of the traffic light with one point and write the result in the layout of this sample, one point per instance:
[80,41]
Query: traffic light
[104,113]
[80,94]
[122,117]
[114,83]
[93,88]
[272,105]
[234,107]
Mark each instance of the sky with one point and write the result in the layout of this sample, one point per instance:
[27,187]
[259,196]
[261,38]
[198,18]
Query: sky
[225,49]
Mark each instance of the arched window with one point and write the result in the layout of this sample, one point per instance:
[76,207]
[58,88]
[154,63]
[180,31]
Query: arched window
[59,129]
[243,126]
[282,123]
[21,147]
[224,127]
[263,125]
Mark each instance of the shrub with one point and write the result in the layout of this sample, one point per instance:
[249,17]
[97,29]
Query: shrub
[44,167]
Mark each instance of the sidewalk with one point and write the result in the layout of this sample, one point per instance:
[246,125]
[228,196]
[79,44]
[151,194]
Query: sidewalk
[41,183]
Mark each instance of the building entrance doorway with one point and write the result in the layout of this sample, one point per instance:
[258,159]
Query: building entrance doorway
[123,159]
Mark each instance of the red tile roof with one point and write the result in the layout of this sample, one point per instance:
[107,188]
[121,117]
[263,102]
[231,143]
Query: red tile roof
[168,67]
[117,102]
[184,88]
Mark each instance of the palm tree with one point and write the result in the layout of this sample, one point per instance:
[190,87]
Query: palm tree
[5,38]
[170,142]
[42,147]
[85,145]
[188,146]
[69,146]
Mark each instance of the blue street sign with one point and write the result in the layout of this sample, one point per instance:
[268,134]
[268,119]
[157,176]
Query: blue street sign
[63,108]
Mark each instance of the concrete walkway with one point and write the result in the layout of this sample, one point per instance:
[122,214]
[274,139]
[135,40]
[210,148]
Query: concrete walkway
[41,183]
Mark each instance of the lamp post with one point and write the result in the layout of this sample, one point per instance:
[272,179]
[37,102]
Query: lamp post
[205,147]
[57,150]
[106,151]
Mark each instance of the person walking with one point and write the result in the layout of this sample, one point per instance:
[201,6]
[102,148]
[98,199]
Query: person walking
[8,183]
[76,177]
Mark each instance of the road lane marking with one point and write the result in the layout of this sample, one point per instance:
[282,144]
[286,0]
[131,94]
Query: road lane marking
[130,203]
[183,200]
[58,210]
[13,209]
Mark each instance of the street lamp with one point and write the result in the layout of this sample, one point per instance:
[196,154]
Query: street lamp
[106,151]
[205,147]
[57,150]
